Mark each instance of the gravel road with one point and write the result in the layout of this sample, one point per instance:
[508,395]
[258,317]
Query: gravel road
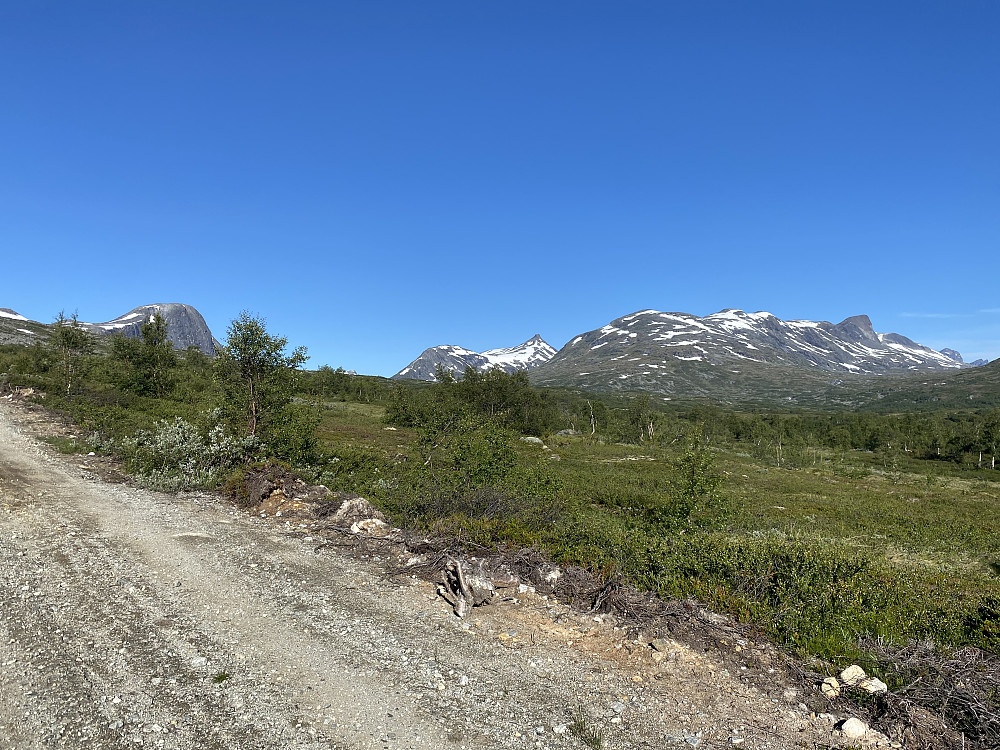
[132,618]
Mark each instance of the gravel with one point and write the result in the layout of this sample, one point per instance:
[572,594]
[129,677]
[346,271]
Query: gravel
[132,618]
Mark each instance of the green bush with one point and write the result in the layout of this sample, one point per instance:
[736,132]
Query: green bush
[473,474]
[292,436]
[983,624]
[177,455]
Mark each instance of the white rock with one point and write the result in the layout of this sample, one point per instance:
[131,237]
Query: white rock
[854,729]
[873,685]
[355,509]
[852,675]
[370,527]
[199,661]
[830,688]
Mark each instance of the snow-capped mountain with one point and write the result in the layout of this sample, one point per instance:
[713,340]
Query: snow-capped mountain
[17,329]
[649,350]
[531,353]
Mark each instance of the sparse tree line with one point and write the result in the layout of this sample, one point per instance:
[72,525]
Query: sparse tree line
[255,388]
[178,418]
[968,439]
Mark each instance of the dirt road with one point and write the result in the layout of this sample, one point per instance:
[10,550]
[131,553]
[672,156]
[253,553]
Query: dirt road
[131,618]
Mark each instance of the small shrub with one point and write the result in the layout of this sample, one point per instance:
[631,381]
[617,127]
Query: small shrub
[983,624]
[475,473]
[176,455]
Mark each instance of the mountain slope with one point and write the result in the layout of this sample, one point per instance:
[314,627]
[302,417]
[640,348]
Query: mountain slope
[185,326]
[972,388]
[531,353]
[733,356]
[17,329]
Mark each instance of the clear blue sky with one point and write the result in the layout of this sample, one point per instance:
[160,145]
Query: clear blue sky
[377,177]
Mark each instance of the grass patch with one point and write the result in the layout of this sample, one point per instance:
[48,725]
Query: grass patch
[584,730]
[67,445]
[818,554]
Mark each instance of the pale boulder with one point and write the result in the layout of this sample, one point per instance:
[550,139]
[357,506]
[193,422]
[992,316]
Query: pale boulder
[852,675]
[854,729]
[874,686]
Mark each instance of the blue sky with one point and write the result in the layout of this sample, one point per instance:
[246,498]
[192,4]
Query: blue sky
[375,178]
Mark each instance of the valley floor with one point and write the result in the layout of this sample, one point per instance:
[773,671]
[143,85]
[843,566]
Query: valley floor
[131,618]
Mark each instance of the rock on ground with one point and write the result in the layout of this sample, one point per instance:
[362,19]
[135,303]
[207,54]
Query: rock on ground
[131,619]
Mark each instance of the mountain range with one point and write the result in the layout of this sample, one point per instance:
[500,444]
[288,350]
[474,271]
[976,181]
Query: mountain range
[531,353]
[185,326]
[729,356]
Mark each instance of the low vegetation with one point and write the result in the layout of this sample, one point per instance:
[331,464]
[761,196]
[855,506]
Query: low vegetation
[845,536]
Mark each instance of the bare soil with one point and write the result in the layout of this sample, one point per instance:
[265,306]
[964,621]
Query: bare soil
[133,618]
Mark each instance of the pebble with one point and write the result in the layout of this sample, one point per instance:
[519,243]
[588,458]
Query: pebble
[830,688]
[854,729]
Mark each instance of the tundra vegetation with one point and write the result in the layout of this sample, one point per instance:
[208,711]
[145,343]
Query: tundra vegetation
[842,535]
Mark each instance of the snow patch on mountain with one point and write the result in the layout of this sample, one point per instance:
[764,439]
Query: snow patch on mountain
[730,336]
[533,352]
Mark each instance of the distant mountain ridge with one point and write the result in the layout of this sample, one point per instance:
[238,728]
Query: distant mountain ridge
[533,352]
[731,352]
[185,326]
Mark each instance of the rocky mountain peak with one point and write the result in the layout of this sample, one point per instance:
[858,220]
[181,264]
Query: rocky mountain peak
[185,325]
[857,328]
[533,352]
